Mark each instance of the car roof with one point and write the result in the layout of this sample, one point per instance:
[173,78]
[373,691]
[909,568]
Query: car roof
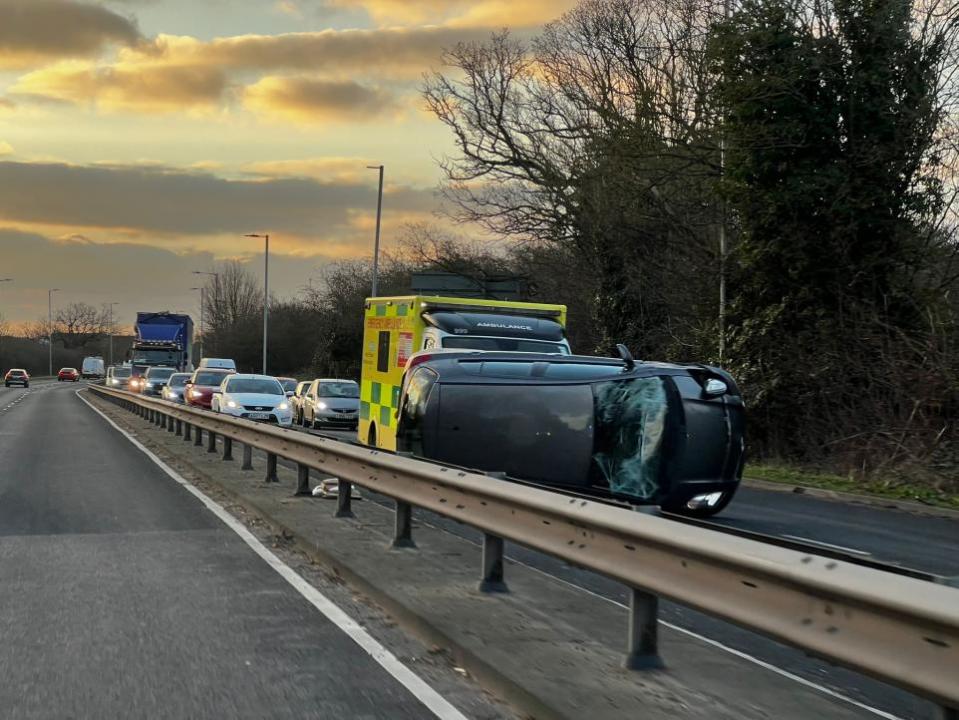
[339,380]
[17,370]
[251,376]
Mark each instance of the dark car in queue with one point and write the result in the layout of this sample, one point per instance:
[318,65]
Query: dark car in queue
[333,403]
[641,432]
[17,376]
[199,391]
[155,379]
[175,387]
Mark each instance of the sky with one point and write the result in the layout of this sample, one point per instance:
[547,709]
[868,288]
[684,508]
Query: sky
[142,139]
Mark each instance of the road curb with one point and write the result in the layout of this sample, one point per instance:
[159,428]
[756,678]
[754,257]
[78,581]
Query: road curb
[915,508]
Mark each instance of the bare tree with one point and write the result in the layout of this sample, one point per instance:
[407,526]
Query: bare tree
[79,323]
[599,136]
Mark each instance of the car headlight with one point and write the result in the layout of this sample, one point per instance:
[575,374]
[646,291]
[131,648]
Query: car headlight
[231,404]
[196,393]
[283,406]
[321,405]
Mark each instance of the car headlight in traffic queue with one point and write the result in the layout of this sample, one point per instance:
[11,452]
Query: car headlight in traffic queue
[231,404]
[321,405]
[283,406]
[196,393]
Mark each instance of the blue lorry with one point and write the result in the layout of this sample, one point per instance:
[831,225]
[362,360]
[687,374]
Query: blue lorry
[162,339]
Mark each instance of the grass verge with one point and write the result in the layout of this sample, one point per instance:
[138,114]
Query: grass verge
[894,488]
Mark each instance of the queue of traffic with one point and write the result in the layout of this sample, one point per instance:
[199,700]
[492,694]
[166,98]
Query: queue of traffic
[491,386]
[217,386]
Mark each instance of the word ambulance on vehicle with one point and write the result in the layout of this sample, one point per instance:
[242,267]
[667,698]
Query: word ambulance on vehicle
[397,327]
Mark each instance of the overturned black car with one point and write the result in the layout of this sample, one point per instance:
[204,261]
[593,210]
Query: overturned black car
[640,432]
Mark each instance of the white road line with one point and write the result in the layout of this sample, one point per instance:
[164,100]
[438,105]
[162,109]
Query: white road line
[820,543]
[436,703]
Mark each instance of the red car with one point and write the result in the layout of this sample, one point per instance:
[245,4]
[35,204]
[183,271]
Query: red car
[198,392]
[68,375]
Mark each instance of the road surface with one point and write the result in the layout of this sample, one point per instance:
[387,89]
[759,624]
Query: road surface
[124,596]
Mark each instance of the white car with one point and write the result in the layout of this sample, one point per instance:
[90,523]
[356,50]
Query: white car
[254,397]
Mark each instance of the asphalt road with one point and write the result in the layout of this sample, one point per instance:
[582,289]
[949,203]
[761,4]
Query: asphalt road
[123,596]
[921,542]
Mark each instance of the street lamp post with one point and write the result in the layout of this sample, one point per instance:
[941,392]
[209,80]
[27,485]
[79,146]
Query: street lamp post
[202,304]
[266,290]
[216,280]
[110,355]
[379,213]
[4,280]
[50,326]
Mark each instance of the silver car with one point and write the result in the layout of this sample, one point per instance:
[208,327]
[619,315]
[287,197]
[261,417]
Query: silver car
[332,402]
[175,387]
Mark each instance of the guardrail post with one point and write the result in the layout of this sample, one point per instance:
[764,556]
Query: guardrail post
[642,651]
[163,421]
[271,468]
[247,457]
[403,526]
[302,479]
[179,427]
[227,448]
[170,423]
[344,499]
[197,435]
[210,441]
[492,565]
[187,431]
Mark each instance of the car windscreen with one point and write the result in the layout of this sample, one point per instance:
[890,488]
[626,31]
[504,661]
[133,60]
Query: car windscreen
[121,372]
[159,373]
[464,342]
[338,389]
[209,378]
[254,385]
[288,385]
[154,357]
[178,380]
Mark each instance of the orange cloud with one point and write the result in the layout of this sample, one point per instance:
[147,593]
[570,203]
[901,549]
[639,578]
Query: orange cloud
[461,13]
[147,88]
[36,31]
[311,100]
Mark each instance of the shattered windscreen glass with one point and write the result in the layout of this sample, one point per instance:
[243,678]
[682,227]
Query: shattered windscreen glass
[630,417]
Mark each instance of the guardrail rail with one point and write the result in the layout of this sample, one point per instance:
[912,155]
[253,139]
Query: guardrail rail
[898,629]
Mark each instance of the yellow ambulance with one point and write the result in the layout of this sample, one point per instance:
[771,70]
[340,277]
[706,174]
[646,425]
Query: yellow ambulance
[397,327]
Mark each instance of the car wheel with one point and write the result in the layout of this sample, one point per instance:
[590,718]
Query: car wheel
[701,505]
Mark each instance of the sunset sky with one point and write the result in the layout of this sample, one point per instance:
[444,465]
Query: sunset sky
[140,139]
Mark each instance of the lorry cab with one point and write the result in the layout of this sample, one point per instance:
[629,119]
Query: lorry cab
[397,327]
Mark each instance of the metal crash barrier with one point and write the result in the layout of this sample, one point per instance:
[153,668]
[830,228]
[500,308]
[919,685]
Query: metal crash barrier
[898,629]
